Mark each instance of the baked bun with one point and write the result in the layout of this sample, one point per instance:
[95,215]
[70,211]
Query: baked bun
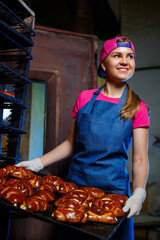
[66,187]
[34,180]
[97,214]
[23,186]
[118,198]
[3,181]
[34,204]
[79,200]
[95,192]
[2,172]
[54,180]
[47,187]
[80,193]
[13,196]
[46,195]
[17,172]
[9,169]
[69,215]
[68,203]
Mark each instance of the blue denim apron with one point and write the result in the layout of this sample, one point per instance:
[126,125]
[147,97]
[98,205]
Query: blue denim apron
[100,152]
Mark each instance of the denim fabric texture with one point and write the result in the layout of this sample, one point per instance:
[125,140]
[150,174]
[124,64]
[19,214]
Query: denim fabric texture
[100,152]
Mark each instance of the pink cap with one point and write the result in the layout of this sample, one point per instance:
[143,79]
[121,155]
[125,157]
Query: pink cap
[111,44]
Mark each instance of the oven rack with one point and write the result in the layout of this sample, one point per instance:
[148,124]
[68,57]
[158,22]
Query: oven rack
[17,38]
[9,17]
[8,76]
[8,99]
[10,130]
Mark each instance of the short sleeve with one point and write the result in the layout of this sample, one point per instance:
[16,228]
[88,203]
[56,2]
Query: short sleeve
[142,117]
[82,99]
[76,106]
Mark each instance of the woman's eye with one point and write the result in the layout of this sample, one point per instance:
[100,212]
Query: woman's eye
[130,56]
[117,55]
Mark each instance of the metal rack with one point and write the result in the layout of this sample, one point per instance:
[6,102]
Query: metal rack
[15,55]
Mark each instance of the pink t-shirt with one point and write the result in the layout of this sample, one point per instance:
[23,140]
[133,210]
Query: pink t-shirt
[141,118]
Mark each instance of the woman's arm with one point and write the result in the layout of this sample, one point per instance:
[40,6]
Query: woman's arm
[140,172]
[140,157]
[60,152]
[63,150]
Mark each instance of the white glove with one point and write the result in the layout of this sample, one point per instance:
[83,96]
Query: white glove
[33,165]
[134,203]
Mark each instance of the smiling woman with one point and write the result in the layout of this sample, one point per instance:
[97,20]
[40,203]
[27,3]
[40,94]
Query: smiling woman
[105,120]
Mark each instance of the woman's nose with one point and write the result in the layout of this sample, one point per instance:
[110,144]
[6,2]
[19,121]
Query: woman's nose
[124,61]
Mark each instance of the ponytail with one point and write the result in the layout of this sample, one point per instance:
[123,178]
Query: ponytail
[131,105]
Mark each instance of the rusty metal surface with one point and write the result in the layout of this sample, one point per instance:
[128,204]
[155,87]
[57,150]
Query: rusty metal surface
[65,61]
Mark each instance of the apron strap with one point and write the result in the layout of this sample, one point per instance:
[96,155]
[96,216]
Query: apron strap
[90,104]
[93,99]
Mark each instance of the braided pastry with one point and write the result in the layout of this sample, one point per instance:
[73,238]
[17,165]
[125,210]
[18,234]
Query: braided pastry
[80,200]
[17,172]
[34,204]
[47,187]
[95,192]
[2,172]
[68,203]
[97,214]
[80,193]
[8,169]
[69,215]
[109,205]
[34,180]
[13,196]
[46,195]
[3,181]
[22,185]
[117,198]
[54,180]
[1,187]
[66,187]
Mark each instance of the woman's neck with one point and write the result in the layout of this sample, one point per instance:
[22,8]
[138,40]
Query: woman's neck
[113,90]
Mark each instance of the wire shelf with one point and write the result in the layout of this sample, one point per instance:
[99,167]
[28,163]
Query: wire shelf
[8,76]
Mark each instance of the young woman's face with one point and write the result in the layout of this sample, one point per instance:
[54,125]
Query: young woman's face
[119,65]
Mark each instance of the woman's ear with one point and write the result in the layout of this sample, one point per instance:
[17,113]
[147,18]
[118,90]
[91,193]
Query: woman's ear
[103,66]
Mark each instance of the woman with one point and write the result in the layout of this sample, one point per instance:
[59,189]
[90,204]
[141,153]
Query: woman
[105,120]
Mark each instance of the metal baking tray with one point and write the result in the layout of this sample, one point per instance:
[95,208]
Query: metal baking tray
[99,231]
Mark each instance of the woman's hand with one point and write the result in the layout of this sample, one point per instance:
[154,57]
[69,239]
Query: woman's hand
[33,165]
[134,203]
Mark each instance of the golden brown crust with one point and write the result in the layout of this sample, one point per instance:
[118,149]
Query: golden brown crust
[54,180]
[34,204]
[117,198]
[69,215]
[46,195]
[34,180]
[95,192]
[47,187]
[68,203]
[3,181]
[80,193]
[96,214]
[22,185]
[2,172]
[8,169]
[66,187]
[12,195]
[17,172]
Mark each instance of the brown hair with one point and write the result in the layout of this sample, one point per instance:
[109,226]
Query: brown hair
[132,100]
